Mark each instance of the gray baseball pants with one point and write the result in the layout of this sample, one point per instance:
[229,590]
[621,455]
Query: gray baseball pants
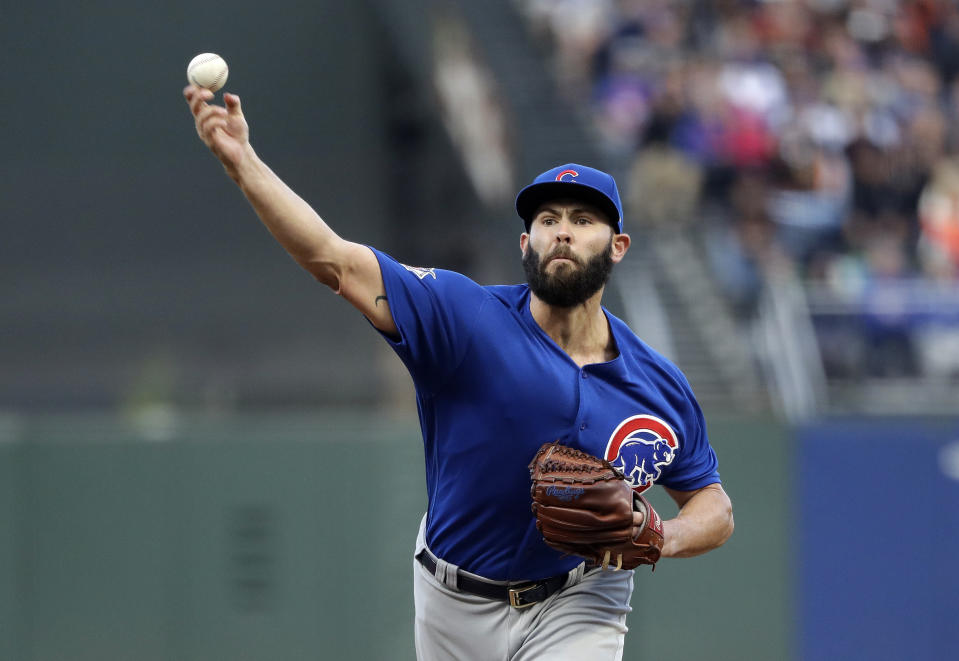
[584,620]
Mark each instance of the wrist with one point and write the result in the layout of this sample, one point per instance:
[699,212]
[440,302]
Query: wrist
[246,168]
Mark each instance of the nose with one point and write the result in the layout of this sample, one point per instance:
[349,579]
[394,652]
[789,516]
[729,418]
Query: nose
[563,235]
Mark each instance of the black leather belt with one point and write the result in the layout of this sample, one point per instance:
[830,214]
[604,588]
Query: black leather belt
[519,595]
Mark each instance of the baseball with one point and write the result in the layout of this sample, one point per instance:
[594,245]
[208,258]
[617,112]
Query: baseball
[208,70]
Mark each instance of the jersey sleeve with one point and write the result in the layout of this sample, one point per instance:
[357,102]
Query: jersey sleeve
[435,313]
[696,465]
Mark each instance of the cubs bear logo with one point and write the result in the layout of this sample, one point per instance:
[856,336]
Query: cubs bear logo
[640,447]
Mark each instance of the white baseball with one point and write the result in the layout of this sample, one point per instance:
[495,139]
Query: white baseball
[208,70]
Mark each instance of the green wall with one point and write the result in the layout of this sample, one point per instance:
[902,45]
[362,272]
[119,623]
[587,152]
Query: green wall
[289,537]
[10,538]
[736,602]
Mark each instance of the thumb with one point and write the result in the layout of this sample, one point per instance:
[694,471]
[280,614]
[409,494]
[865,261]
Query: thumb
[232,102]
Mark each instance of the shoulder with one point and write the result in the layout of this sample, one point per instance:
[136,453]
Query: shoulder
[642,358]
[427,277]
[511,296]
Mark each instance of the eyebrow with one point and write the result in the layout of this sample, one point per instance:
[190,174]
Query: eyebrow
[574,211]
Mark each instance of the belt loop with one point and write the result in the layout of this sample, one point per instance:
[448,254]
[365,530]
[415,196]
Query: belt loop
[575,575]
[446,573]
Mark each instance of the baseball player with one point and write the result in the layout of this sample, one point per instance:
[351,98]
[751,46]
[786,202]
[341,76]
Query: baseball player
[498,372]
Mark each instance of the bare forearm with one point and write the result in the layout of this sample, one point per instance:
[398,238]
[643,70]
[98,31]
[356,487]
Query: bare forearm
[350,269]
[291,221]
[704,523]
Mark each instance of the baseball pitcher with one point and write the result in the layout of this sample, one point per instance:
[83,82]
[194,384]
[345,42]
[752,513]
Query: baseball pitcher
[544,417]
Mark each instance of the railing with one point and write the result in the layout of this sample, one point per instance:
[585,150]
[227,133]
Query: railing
[888,347]
[788,351]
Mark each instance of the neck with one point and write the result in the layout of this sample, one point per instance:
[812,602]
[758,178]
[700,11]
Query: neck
[581,331]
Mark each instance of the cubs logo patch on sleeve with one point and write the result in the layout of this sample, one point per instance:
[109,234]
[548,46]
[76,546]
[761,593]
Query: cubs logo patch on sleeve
[640,447]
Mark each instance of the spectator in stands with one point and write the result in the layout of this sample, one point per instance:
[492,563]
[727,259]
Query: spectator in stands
[802,132]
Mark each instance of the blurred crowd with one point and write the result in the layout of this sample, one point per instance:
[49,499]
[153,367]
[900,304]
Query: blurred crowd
[816,135]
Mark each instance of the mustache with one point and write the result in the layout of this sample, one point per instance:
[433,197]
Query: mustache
[562,252]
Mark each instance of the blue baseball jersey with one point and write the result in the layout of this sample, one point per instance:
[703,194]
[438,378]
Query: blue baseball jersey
[492,387]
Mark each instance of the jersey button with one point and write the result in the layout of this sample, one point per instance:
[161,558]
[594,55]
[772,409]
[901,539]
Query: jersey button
[582,426]
[585,375]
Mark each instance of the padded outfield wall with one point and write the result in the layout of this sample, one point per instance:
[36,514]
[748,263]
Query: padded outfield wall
[289,537]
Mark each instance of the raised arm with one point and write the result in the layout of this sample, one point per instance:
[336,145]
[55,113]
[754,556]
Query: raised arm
[349,269]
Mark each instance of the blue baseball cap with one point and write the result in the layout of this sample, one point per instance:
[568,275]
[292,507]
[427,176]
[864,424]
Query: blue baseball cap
[574,181]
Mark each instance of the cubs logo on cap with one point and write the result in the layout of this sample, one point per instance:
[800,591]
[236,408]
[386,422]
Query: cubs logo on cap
[578,182]
[641,447]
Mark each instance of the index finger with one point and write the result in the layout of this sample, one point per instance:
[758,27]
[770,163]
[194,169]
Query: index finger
[196,96]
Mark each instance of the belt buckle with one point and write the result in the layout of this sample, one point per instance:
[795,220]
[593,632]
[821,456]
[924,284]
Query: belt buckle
[515,594]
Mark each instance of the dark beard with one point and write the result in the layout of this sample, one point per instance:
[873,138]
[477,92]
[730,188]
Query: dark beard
[567,287]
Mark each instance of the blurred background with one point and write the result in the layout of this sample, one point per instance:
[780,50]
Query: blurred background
[206,455]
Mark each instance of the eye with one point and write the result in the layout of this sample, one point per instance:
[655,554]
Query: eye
[547,220]
[584,220]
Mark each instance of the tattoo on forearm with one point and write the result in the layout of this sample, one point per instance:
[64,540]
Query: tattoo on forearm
[376,302]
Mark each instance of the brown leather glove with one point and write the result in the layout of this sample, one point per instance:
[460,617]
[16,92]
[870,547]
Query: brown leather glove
[585,507]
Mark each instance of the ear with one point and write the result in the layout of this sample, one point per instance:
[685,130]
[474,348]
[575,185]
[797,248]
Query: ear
[620,247]
[523,242]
